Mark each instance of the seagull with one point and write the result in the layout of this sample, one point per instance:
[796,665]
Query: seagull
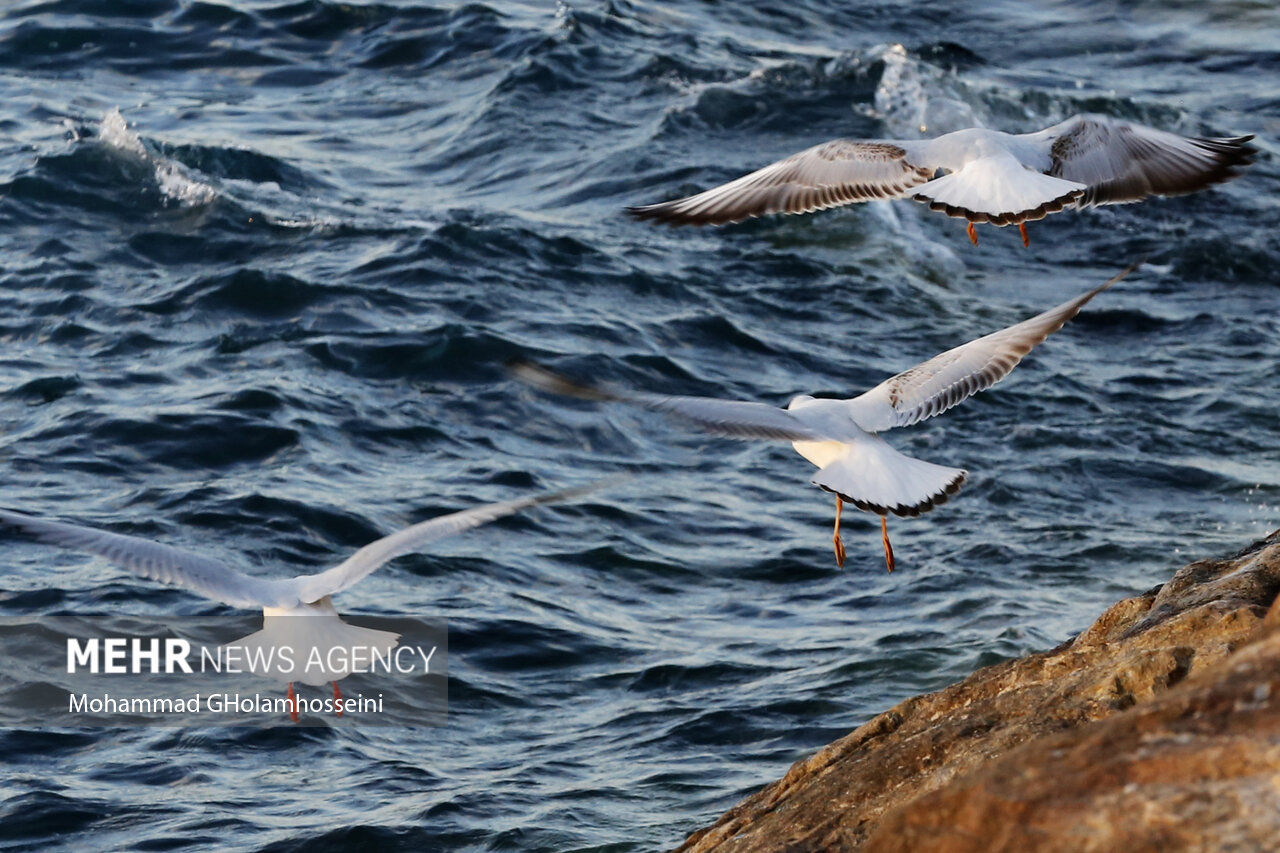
[841,437]
[991,176]
[296,612]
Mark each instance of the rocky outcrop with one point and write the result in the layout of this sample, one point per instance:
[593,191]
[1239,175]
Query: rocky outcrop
[1156,729]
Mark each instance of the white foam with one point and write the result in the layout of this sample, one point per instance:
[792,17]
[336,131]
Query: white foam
[175,181]
[914,98]
[900,98]
[176,184]
[114,132]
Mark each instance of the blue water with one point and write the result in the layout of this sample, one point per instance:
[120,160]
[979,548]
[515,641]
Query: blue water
[263,263]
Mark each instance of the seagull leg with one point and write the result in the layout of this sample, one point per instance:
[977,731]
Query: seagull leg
[1022,229]
[835,538]
[888,549]
[973,234]
[337,699]
[293,703]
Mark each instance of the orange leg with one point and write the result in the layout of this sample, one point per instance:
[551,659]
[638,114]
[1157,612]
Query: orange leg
[888,549]
[1022,229]
[337,699]
[836,536]
[973,234]
[293,703]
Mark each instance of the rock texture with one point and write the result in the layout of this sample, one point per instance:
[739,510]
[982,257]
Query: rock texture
[1157,729]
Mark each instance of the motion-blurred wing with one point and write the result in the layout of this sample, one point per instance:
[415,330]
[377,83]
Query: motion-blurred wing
[731,418]
[828,175]
[158,562]
[945,380]
[1120,161]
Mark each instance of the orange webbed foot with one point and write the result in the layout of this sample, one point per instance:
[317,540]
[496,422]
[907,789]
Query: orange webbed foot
[337,699]
[1022,229]
[973,234]
[293,703]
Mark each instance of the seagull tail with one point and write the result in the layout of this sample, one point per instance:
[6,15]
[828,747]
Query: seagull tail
[999,190]
[874,477]
[311,644]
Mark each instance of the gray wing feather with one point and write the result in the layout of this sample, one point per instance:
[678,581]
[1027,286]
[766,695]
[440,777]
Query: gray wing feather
[158,562]
[412,539]
[834,173]
[730,418]
[945,380]
[1122,162]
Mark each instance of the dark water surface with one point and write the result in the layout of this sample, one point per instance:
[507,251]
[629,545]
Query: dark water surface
[263,263]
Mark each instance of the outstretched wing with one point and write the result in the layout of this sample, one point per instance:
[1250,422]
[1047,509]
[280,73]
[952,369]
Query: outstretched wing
[158,562]
[311,588]
[731,418]
[1120,161]
[945,380]
[828,175]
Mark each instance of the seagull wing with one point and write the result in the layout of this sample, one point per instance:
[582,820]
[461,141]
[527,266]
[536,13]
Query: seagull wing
[311,588]
[730,418]
[945,380]
[158,562]
[1121,161]
[834,173]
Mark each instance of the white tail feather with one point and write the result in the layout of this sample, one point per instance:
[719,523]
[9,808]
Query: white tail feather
[291,639]
[999,190]
[875,477]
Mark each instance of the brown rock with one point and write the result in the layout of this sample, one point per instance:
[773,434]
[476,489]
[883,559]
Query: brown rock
[1156,729]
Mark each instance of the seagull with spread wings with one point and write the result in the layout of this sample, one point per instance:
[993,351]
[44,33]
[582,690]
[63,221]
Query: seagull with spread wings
[841,437]
[995,177]
[296,612]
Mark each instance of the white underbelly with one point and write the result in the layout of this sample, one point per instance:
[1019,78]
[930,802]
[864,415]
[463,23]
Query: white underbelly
[820,453]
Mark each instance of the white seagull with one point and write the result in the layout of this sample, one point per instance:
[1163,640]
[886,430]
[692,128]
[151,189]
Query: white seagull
[840,436]
[991,176]
[296,612]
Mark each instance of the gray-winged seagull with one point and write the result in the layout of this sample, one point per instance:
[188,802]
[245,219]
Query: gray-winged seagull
[280,599]
[991,176]
[840,436]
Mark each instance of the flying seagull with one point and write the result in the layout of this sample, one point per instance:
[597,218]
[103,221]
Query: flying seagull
[991,176]
[296,612]
[841,436]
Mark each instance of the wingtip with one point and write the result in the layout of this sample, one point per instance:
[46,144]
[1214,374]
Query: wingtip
[669,213]
[662,212]
[1133,267]
[1226,144]
[545,379]
[1124,273]
[568,494]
